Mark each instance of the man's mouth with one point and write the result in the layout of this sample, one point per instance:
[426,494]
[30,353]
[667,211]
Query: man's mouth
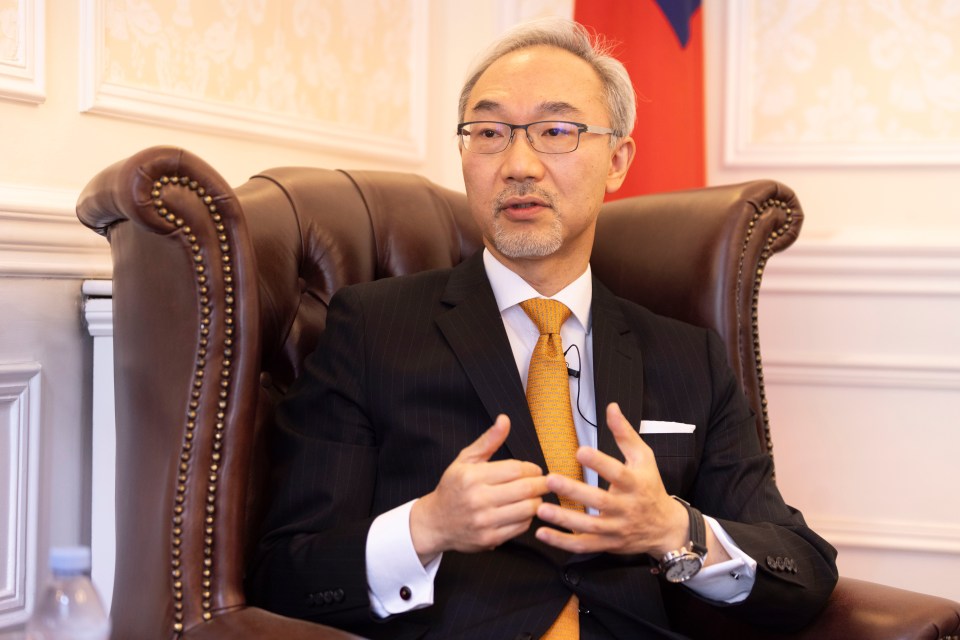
[519,211]
[522,204]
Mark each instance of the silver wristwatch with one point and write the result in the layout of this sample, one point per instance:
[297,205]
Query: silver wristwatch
[684,563]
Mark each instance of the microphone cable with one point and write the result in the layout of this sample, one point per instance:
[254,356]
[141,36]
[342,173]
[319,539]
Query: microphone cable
[575,373]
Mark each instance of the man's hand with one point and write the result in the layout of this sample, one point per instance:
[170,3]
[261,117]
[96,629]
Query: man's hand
[478,504]
[636,514]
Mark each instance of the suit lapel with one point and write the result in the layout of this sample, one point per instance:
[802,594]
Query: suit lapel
[617,367]
[474,330]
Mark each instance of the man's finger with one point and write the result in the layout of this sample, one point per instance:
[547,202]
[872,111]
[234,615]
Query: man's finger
[585,494]
[572,519]
[502,471]
[572,542]
[481,449]
[607,467]
[515,513]
[628,440]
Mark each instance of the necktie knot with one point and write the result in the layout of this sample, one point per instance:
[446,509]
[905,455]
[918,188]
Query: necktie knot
[548,315]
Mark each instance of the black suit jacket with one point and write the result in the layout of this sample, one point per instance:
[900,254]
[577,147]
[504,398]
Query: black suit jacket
[410,370]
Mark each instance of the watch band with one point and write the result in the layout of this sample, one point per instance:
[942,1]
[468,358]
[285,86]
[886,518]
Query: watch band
[698,530]
[684,563]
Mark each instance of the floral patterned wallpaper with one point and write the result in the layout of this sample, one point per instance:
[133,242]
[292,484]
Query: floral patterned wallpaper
[341,61]
[10,40]
[862,72]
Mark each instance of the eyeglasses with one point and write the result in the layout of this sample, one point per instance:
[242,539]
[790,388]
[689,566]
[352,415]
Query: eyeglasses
[547,136]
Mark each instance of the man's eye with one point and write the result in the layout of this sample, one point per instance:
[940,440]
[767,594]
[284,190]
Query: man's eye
[487,133]
[556,132]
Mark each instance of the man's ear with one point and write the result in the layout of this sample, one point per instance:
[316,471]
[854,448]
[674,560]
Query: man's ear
[620,162]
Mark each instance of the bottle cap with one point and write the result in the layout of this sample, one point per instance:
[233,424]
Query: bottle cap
[70,559]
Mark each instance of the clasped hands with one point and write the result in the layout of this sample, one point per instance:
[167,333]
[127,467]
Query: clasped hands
[480,504]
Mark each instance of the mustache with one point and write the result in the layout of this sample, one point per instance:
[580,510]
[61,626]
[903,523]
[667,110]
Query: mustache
[519,191]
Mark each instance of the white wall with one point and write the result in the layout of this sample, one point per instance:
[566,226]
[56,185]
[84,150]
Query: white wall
[859,321]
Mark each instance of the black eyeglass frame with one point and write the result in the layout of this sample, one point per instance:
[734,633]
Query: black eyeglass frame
[581,129]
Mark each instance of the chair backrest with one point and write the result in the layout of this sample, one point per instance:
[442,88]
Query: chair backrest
[219,295]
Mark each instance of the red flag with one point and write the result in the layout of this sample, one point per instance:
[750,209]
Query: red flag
[661,44]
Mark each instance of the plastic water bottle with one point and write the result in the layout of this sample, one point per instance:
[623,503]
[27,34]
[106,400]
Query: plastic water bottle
[69,608]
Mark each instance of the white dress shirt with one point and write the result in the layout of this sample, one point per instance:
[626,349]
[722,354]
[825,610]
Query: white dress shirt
[392,562]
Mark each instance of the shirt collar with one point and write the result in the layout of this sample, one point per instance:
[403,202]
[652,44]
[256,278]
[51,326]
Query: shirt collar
[510,289]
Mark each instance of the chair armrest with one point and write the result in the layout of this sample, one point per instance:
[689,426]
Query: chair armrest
[859,609]
[251,623]
[856,609]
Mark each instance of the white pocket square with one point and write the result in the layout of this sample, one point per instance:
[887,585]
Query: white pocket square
[660,426]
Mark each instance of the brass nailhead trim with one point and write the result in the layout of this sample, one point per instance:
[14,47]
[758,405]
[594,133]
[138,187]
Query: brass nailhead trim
[207,308]
[755,294]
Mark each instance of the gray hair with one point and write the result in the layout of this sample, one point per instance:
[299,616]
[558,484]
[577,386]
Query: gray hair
[573,37]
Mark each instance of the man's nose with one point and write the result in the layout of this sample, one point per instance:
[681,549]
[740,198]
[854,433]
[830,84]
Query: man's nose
[520,161]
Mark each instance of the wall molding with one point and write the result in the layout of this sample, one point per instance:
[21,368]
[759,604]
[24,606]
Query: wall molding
[19,488]
[22,79]
[884,373]
[98,307]
[890,535]
[99,96]
[40,235]
[918,266]
[924,265]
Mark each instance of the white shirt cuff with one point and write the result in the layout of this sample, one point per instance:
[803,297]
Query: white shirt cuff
[397,581]
[729,581]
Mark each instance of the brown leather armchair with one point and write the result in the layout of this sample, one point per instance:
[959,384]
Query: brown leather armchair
[220,293]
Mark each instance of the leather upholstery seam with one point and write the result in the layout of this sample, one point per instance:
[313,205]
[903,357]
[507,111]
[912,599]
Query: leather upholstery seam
[202,268]
[768,250]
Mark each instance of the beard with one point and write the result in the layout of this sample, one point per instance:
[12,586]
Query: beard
[526,243]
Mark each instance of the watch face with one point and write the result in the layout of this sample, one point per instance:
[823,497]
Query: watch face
[683,568]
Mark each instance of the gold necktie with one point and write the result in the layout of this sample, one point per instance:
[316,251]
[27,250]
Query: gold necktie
[548,395]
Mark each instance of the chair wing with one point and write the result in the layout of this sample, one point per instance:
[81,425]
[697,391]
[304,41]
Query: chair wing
[187,344]
[699,256]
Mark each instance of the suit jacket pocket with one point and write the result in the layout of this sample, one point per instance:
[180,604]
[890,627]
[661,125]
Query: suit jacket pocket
[671,445]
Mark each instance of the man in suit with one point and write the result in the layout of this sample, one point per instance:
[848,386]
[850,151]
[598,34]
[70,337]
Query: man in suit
[400,510]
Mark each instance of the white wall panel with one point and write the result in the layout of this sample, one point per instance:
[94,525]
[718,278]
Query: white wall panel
[828,83]
[19,488]
[22,51]
[861,344]
[914,571]
[340,75]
